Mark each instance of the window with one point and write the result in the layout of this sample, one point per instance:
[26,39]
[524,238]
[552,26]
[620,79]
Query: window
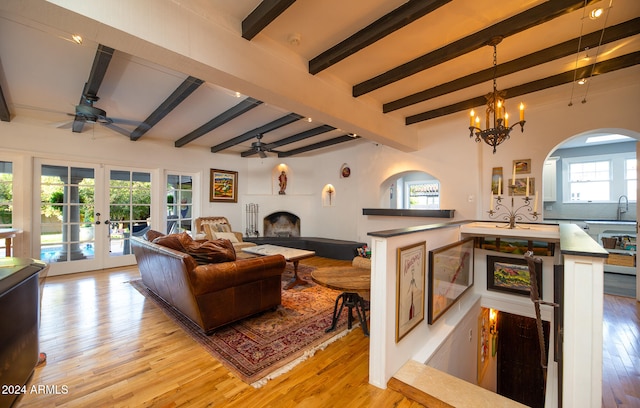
[587,179]
[590,181]
[423,195]
[179,202]
[630,177]
[6,199]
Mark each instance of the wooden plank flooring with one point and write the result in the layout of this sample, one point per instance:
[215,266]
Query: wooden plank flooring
[109,347]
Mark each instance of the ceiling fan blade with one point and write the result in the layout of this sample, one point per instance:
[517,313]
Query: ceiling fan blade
[117,128]
[64,125]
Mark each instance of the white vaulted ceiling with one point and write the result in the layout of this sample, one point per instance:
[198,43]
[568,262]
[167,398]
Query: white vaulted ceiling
[396,65]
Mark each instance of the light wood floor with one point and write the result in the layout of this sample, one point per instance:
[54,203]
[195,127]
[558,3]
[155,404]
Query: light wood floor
[109,347]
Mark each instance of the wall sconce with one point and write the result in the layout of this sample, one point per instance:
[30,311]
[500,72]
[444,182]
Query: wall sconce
[493,330]
[328,194]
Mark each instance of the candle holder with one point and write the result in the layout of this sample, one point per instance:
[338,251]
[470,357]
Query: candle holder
[513,214]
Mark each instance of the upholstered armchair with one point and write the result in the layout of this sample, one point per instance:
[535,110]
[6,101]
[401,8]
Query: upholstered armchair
[219,227]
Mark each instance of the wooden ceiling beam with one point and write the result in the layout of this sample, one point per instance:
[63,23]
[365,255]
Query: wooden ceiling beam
[96,75]
[176,98]
[387,24]
[600,68]
[5,115]
[240,109]
[592,40]
[262,16]
[319,145]
[292,139]
[278,123]
[537,15]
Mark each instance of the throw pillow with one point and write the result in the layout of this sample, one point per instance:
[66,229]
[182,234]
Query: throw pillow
[170,241]
[222,227]
[227,235]
[152,234]
[209,232]
[206,252]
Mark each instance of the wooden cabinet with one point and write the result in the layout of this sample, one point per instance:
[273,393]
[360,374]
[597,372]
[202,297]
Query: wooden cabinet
[549,183]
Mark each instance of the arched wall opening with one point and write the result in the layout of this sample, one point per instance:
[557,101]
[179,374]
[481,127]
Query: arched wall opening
[591,176]
[410,189]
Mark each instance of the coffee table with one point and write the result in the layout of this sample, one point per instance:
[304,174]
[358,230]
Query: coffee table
[293,255]
[352,282]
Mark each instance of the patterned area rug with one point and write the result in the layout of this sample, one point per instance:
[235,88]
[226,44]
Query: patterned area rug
[271,343]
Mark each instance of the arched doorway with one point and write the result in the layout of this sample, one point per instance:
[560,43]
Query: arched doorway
[591,180]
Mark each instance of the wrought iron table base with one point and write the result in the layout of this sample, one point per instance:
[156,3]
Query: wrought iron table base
[350,300]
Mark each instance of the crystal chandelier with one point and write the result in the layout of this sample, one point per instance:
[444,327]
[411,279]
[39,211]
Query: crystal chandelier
[498,130]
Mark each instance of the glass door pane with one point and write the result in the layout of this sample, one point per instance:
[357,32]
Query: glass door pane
[129,208]
[67,230]
[6,200]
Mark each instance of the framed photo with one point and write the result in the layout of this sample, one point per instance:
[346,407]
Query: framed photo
[496,181]
[410,288]
[450,276]
[522,166]
[224,186]
[511,275]
[520,188]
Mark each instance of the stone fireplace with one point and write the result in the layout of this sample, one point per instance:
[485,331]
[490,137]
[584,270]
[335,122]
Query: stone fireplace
[282,224]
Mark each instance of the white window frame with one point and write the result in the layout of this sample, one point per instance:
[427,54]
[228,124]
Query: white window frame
[407,201]
[617,176]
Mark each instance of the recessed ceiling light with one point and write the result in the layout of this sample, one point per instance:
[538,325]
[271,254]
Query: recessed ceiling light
[605,138]
[77,38]
[238,94]
[582,81]
[309,120]
[595,13]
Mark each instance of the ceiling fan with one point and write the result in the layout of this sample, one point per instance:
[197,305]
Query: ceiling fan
[87,113]
[260,148]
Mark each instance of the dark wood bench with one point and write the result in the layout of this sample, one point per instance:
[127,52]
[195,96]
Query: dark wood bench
[324,247]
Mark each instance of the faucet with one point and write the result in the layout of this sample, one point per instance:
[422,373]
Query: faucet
[620,209]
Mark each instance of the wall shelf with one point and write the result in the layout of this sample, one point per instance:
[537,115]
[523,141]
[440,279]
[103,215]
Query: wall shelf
[402,212]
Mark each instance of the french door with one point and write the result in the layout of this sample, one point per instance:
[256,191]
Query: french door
[87,215]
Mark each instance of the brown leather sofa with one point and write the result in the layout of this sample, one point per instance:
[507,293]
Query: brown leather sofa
[210,295]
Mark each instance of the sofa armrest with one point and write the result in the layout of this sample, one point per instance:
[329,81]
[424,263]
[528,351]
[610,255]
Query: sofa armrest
[213,277]
[238,235]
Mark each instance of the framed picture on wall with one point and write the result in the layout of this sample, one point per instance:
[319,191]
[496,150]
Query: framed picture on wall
[450,276]
[520,186]
[522,166]
[223,186]
[496,181]
[511,275]
[411,263]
